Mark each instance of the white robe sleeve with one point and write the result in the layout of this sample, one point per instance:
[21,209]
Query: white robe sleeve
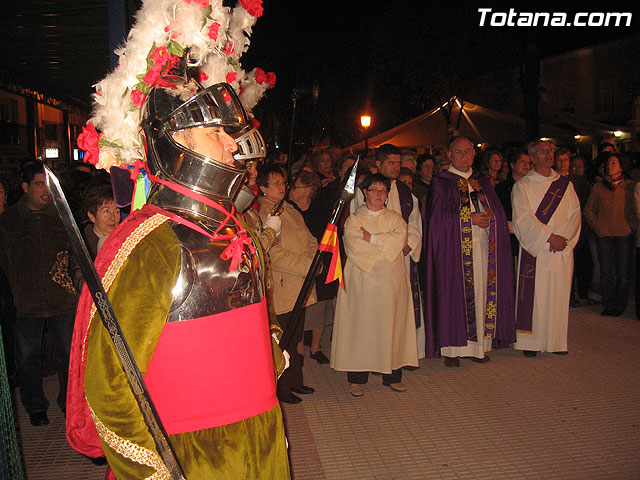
[414,238]
[389,242]
[531,232]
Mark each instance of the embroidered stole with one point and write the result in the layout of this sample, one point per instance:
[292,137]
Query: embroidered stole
[467,261]
[527,267]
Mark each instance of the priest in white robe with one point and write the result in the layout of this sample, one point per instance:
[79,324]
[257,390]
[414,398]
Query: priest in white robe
[542,318]
[374,326]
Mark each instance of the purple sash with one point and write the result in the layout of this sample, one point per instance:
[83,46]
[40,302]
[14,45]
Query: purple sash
[467,262]
[527,270]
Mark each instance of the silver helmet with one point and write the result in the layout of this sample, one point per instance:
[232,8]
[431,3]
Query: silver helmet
[166,113]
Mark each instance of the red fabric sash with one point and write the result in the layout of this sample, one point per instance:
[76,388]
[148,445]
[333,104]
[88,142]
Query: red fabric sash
[213,370]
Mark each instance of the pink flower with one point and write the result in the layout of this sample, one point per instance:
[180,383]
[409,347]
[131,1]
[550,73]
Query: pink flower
[231,77]
[153,75]
[203,77]
[202,3]
[160,55]
[213,31]
[88,141]
[138,98]
[254,7]
[228,50]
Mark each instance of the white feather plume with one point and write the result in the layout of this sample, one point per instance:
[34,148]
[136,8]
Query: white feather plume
[182,24]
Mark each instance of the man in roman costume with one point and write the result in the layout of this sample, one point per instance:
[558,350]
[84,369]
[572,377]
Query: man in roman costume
[546,220]
[402,201]
[182,272]
[469,289]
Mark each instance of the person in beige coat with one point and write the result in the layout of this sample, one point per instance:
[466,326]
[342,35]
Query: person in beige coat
[374,326]
[290,258]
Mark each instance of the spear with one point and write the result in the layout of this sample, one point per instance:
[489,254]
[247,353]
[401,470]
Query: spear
[347,193]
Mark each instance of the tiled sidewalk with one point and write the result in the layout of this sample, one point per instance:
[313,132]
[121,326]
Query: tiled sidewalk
[549,417]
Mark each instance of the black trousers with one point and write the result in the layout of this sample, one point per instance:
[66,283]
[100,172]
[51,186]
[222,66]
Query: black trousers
[361,377]
[292,376]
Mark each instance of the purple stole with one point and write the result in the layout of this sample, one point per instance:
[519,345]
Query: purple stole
[527,269]
[467,261]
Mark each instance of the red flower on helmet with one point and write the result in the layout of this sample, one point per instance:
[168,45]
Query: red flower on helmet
[255,123]
[138,98]
[203,77]
[160,55]
[254,7]
[261,76]
[228,50]
[213,31]
[231,77]
[88,141]
[271,78]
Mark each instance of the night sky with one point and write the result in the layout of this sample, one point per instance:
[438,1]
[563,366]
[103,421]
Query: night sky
[393,59]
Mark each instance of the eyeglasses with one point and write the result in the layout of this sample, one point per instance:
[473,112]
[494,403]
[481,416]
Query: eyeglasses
[277,184]
[376,191]
[545,151]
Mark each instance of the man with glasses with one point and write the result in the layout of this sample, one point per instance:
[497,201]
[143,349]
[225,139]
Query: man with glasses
[469,288]
[546,220]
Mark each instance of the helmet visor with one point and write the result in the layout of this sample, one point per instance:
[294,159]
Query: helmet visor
[216,106]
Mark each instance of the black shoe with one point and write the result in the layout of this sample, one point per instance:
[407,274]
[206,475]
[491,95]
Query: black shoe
[303,390]
[319,357]
[608,313]
[410,368]
[616,313]
[98,461]
[529,353]
[484,359]
[38,418]
[291,398]
[451,362]
[560,353]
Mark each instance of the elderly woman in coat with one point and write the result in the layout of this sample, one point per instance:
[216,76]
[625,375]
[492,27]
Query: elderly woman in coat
[290,258]
[374,326]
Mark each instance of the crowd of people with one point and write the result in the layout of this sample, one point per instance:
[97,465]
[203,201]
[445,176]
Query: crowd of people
[487,244]
[449,257]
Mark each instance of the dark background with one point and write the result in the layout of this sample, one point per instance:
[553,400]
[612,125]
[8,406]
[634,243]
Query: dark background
[392,59]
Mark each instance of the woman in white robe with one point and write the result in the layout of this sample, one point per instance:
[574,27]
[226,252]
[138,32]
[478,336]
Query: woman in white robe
[374,326]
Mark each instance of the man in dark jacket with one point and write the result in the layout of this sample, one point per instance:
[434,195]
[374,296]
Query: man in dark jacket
[34,256]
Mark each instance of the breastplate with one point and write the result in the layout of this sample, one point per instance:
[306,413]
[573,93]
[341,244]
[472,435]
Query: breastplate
[205,286]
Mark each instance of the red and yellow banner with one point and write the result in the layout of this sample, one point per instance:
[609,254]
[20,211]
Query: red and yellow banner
[329,243]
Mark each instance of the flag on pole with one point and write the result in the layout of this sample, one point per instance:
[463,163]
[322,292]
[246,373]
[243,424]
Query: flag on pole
[329,243]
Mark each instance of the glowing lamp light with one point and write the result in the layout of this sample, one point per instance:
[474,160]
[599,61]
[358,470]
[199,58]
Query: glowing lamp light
[577,137]
[617,133]
[545,139]
[365,121]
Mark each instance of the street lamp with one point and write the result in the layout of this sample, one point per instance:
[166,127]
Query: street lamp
[365,122]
